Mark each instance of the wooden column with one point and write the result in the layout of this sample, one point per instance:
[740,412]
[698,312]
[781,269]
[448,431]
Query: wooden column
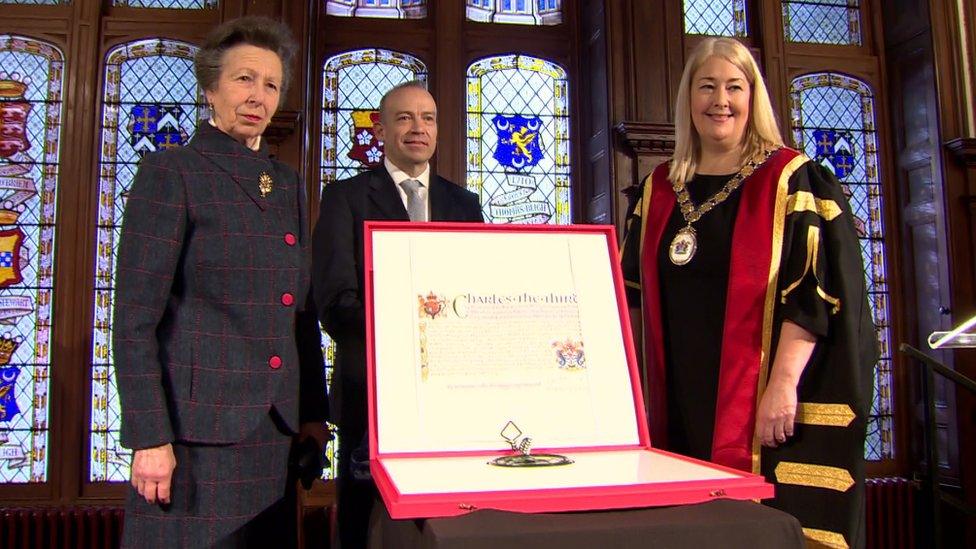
[649,144]
[645,57]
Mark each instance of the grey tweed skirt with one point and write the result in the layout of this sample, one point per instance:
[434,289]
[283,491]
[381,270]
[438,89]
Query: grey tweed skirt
[233,495]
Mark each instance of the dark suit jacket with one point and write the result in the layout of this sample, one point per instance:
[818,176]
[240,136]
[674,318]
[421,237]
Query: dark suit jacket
[337,261]
[213,318]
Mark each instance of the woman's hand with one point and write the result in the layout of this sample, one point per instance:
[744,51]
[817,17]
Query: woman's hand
[776,412]
[777,407]
[152,472]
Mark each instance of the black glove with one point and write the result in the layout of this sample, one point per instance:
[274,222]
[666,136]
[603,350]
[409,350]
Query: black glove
[307,462]
[359,460]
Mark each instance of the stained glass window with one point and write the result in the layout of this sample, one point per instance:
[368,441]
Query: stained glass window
[520,12]
[171,4]
[353,83]
[822,21]
[31,77]
[518,139]
[834,123]
[150,102]
[713,18]
[331,449]
[390,9]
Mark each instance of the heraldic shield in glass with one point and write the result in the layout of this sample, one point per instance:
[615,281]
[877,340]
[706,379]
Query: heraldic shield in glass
[353,83]
[31,78]
[833,123]
[518,140]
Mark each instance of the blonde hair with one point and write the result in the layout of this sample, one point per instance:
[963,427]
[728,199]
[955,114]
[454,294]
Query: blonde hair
[762,132]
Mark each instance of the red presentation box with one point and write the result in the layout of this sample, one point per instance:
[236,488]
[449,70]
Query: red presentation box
[470,327]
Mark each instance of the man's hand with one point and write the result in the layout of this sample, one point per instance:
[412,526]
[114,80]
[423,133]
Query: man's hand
[152,472]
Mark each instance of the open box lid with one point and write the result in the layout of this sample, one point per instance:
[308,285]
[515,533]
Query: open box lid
[470,326]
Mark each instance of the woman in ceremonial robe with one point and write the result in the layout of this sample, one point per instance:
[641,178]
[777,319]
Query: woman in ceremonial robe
[744,272]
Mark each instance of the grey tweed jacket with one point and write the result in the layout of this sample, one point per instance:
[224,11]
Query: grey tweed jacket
[213,318]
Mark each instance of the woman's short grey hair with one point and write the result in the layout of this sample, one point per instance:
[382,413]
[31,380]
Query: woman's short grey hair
[253,31]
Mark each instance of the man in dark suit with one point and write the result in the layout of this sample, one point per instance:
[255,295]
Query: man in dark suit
[403,189]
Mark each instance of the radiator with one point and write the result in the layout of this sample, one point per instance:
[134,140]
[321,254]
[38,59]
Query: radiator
[890,513]
[60,528]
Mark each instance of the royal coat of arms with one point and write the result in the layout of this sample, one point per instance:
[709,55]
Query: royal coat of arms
[14,109]
[16,188]
[569,354]
[431,305]
[366,148]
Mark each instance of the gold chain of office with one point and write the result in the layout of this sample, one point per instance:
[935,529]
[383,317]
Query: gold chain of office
[688,209]
[685,242]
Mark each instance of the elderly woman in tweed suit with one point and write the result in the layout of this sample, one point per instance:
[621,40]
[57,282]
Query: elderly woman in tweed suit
[217,351]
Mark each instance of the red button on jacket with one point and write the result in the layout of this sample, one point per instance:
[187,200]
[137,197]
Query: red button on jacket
[274,362]
[287,299]
[290,239]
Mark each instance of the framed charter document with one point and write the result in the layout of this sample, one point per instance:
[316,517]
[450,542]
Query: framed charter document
[485,341]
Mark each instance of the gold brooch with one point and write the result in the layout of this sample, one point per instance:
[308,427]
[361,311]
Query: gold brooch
[265,184]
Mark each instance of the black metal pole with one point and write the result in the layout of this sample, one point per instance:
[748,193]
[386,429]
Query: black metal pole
[932,451]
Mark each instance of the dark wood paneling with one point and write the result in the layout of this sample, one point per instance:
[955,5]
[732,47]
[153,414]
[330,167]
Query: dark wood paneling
[912,69]
[929,53]
[963,150]
[645,58]
[596,188]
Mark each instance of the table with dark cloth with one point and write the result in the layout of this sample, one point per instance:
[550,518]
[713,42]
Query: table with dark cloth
[719,523]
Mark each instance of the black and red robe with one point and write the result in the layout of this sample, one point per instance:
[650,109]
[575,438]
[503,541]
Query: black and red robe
[793,254]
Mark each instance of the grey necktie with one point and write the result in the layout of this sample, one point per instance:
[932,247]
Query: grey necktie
[416,207]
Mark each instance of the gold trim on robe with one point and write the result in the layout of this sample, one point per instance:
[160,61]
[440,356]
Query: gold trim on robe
[779,228]
[825,415]
[815,476]
[804,201]
[817,539]
[813,250]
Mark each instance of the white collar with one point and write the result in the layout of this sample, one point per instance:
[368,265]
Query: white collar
[257,142]
[399,176]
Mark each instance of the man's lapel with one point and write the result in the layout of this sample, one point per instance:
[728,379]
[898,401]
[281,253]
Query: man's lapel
[440,206]
[243,165]
[385,197]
